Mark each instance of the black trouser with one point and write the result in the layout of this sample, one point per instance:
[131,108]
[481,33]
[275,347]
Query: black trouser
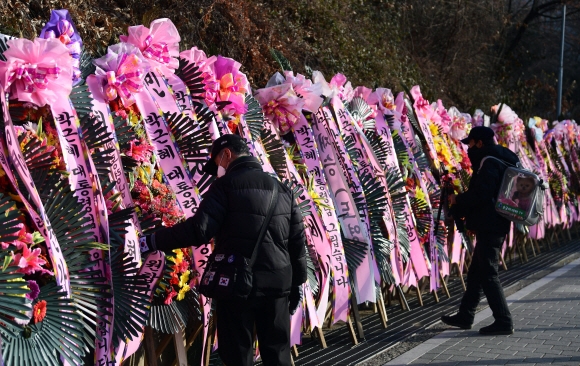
[482,275]
[235,329]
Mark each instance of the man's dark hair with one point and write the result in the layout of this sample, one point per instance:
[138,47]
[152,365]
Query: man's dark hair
[489,142]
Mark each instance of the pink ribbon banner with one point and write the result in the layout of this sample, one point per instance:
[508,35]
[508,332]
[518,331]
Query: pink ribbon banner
[83,179]
[16,160]
[330,227]
[350,222]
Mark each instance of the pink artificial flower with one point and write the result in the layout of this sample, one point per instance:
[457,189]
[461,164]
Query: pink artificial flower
[362,92]
[444,119]
[140,152]
[305,89]
[29,261]
[281,105]
[459,124]
[422,106]
[159,44]
[23,235]
[337,81]
[327,90]
[506,115]
[233,84]
[384,101]
[343,87]
[346,92]
[38,71]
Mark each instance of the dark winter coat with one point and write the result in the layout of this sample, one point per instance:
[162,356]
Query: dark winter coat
[477,204]
[232,212]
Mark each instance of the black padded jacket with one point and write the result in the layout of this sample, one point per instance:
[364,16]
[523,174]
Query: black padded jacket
[477,204]
[232,212]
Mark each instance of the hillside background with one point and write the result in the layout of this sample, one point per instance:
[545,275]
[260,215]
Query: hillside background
[470,53]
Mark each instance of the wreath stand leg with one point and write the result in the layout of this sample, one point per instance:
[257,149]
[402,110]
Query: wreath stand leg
[419,294]
[149,348]
[320,335]
[444,283]
[180,354]
[351,331]
[537,245]
[356,316]
[402,299]
[382,309]
[460,275]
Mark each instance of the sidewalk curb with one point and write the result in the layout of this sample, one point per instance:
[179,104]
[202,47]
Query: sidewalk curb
[439,339]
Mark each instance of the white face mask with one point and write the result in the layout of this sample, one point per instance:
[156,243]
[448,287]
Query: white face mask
[221,170]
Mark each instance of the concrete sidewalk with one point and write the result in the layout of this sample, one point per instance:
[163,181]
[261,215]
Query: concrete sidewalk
[547,330]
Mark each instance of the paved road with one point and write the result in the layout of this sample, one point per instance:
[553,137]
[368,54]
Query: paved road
[547,330]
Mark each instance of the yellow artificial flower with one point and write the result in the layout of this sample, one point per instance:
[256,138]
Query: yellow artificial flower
[178,256]
[133,119]
[419,194]
[434,129]
[182,292]
[184,278]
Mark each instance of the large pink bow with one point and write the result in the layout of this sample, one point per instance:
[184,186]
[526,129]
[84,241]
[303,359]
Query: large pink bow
[33,76]
[36,71]
[126,81]
[159,44]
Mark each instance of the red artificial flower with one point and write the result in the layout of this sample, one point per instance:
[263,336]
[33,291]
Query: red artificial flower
[39,311]
[169,297]
[174,279]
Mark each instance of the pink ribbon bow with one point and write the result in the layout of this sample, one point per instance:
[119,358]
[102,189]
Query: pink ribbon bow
[126,81]
[156,51]
[33,76]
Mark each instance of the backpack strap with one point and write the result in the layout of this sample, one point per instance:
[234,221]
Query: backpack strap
[494,158]
[264,228]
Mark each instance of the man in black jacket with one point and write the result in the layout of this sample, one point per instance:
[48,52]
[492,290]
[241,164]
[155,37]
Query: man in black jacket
[477,206]
[232,212]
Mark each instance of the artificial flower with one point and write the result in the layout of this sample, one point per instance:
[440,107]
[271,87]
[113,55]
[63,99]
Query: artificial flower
[29,261]
[183,292]
[39,311]
[184,278]
[306,90]
[169,297]
[281,105]
[233,84]
[34,290]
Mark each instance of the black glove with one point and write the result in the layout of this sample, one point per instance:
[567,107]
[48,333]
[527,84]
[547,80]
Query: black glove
[294,299]
[147,244]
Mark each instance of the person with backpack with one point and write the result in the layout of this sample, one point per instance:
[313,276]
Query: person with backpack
[477,207]
[242,206]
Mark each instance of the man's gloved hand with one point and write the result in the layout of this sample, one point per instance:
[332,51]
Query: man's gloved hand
[294,299]
[147,244]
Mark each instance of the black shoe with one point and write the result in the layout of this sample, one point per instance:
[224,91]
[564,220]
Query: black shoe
[497,329]
[456,321]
